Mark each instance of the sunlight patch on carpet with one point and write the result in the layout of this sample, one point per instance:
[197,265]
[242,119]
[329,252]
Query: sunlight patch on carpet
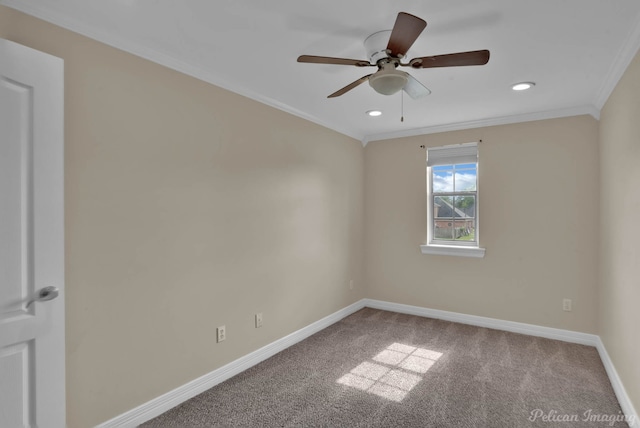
[393,372]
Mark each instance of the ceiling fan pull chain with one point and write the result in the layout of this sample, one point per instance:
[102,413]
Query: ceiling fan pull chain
[401,106]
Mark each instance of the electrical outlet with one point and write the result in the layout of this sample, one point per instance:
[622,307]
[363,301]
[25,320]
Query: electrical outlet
[351,285]
[221,333]
[259,319]
[566,305]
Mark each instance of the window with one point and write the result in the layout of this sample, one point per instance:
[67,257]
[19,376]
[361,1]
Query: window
[452,195]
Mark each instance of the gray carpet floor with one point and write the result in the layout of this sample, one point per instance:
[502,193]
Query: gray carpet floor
[383,369]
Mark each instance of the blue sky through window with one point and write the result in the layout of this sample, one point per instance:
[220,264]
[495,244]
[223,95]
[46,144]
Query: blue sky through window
[454,178]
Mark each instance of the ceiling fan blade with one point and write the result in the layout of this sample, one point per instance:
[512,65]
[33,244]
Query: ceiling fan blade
[350,86]
[330,60]
[415,89]
[451,60]
[405,32]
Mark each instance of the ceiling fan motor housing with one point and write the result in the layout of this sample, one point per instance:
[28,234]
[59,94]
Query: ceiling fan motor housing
[376,46]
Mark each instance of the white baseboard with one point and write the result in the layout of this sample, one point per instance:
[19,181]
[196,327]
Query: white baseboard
[514,327]
[165,402]
[171,399]
[618,387]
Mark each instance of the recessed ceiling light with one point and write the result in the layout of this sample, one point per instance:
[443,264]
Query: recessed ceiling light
[374,113]
[523,86]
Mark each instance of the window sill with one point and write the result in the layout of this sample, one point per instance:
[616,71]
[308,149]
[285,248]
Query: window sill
[450,250]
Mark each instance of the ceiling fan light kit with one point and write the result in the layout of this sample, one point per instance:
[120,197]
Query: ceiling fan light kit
[388,80]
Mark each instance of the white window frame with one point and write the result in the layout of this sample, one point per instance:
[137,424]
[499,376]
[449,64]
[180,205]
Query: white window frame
[451,155]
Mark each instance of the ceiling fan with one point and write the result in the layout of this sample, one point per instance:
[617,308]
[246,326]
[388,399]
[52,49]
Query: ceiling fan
[388,80]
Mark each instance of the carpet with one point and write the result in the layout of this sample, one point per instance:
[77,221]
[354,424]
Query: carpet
[383,369]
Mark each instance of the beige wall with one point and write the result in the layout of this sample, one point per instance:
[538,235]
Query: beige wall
[538,205]
[619,296]
[188,207]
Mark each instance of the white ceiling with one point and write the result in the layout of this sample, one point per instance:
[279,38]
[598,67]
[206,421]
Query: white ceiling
[575,51]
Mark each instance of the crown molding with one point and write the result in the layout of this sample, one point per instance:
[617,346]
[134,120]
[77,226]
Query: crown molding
[481,123]
[625,55]
[165,60]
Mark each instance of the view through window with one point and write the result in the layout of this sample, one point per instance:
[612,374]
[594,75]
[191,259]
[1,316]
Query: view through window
[454,202]
[452,177]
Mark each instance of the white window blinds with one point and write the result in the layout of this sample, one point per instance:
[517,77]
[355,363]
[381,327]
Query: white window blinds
[449,155]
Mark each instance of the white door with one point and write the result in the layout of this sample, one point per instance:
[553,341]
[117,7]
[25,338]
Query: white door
[32,372]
